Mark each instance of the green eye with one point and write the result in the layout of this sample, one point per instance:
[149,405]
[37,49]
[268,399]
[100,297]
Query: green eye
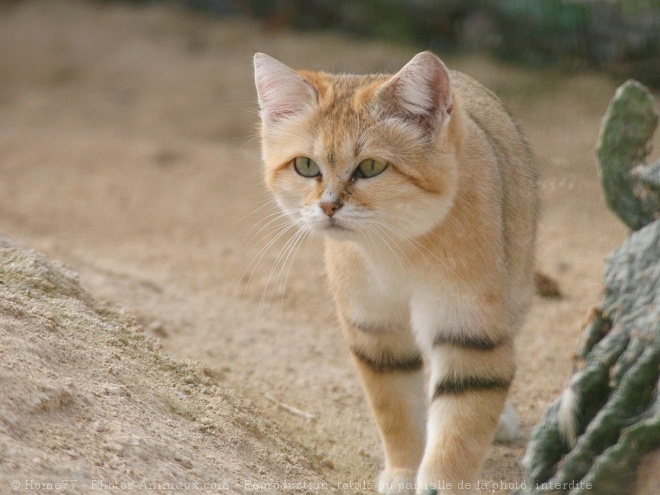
[306,167]
[370,168]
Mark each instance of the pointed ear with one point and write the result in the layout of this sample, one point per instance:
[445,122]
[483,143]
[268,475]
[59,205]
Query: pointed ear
[282,92]
[420,92]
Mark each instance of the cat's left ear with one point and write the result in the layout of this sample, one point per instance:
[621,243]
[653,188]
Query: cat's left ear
[420,92]
[282,93]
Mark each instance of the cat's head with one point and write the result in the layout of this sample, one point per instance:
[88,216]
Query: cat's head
[353,157]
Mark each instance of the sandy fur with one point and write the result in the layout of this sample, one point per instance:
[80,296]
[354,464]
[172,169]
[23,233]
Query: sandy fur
[431,259]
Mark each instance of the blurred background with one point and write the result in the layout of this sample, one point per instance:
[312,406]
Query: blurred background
[619,36]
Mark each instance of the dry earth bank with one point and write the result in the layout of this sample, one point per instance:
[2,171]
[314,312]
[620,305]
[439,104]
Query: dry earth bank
[89,404]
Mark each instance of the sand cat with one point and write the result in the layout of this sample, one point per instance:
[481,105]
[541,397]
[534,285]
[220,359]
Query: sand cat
[425,193]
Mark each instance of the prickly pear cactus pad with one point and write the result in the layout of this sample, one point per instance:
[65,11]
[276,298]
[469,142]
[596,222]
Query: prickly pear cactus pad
[624,136]
[591,440]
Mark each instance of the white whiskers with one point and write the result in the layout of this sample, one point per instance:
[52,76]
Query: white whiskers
[384,242]
[270,230]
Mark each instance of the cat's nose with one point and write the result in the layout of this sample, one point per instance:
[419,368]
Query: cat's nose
[330,207]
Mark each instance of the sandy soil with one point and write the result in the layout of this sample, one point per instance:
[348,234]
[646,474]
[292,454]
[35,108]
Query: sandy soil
[127,150]
[88,403]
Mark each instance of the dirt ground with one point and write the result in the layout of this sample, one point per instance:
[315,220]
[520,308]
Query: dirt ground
[128,151]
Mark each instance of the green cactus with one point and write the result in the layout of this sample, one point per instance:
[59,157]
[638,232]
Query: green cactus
[617,464]
[627,128]
[647,187]
[593,437]
[615,384]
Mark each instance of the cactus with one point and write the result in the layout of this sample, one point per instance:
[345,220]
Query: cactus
[647,187]
[615,384]
[627,128]
[592,438]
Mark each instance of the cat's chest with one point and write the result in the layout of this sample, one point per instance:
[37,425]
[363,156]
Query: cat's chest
[373,292]
[384,285]
[379,300]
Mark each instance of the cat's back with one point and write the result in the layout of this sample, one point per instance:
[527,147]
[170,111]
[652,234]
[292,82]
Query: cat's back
[488,113]
[492,128]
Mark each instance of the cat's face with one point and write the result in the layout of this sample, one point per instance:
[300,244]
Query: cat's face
[359,157]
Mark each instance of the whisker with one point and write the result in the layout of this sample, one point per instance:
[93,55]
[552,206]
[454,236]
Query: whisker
[262,252]
[301,239]
[269,219]
[367,132]
[420,248]
[252,108]
[279,261]
[379,233]
[263,203]
[246,143]
[277,215]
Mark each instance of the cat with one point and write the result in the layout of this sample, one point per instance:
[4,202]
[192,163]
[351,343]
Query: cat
[426,194]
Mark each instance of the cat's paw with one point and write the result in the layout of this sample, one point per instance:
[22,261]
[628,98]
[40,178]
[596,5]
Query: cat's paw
[507,429]
[397,482]
[426,488]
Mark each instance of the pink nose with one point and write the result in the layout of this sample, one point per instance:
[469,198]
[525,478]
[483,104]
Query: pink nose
[330,208]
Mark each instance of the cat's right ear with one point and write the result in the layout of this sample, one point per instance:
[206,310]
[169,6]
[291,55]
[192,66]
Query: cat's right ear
[283,94]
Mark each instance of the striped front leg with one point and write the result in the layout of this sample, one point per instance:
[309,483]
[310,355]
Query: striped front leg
[470,378]
[390,368]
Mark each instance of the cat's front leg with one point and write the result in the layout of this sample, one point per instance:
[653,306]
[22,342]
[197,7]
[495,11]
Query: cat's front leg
[471,373]
[390,368]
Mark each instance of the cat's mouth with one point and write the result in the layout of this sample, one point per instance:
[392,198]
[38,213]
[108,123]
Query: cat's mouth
[329,226]
[333,227]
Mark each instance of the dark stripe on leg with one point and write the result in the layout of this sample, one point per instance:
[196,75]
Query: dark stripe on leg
[470,342]
[386,362]
[457,386]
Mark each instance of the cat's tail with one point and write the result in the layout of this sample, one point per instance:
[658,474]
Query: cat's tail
[569,404]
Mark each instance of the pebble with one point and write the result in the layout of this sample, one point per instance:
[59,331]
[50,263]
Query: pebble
[184,461]
[327,462]
[114,447]
[157,327]
[117,391]
[72,453]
